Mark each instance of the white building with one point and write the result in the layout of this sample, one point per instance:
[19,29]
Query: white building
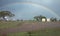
[45,20]
[48,20]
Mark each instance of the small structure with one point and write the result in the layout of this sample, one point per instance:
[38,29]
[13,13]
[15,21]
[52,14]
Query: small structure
[48,20]
[6,18]
[43,20]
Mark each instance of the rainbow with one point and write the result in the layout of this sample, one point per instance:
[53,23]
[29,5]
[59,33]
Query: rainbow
[36,5]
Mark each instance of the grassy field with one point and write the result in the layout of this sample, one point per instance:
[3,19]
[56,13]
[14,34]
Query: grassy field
[9,24]
[46,32]
[14,24]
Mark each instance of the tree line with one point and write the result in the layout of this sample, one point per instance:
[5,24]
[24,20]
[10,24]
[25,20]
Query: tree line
[40,17]
[3,14]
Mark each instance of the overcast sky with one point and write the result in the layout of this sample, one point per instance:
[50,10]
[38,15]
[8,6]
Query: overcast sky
[28,11]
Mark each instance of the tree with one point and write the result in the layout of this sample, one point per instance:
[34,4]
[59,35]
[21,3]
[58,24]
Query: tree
[39,18]
[59,19]
[3,14]
[53,19]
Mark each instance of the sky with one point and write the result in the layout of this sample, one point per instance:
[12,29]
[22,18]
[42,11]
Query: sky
[27,9]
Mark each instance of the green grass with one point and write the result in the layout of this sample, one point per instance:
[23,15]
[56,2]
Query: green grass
[18,34]
[45,32]
[11,24]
